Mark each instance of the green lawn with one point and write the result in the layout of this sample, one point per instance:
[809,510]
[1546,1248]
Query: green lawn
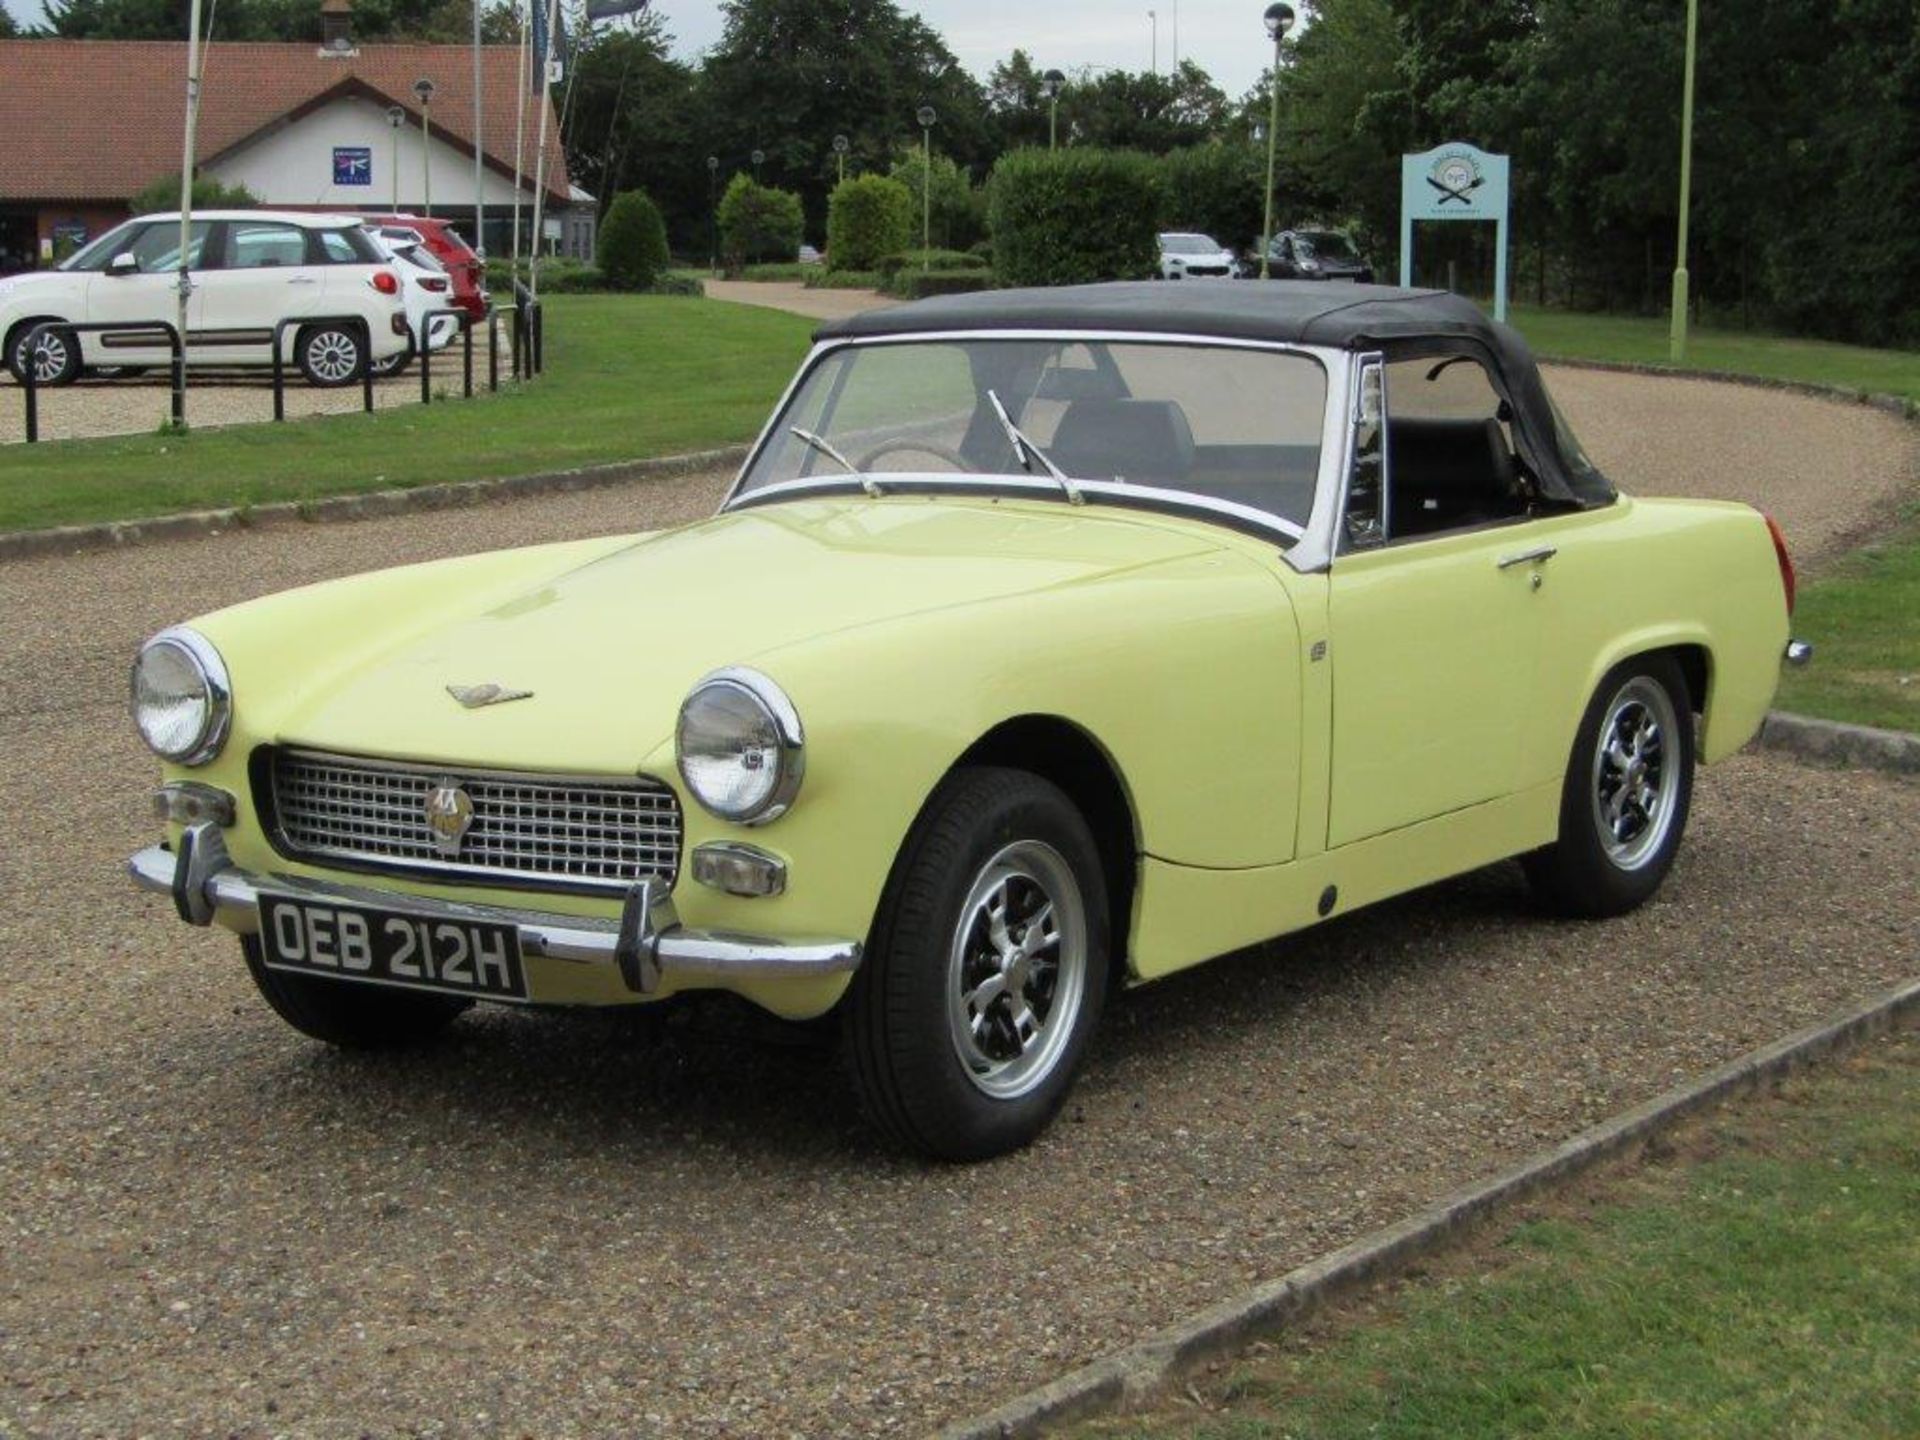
[1641,341]
[1864,622]
[627,376]
[1764,1282]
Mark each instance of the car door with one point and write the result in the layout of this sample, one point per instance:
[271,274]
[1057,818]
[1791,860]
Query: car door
[149,291]
[265,274]
[1434,630]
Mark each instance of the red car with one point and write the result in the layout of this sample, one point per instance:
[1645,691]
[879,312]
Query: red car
[468,270]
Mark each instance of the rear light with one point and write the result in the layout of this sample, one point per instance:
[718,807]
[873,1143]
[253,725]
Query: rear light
[435,284]
[384,282]
[1787,582]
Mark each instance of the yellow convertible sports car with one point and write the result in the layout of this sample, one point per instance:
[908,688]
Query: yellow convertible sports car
[1048,640]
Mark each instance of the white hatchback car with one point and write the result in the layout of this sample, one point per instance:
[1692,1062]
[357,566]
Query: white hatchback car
[249,270]
[427,291]
[1184,256]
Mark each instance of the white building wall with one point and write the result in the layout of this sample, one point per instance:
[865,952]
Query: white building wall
[293,165]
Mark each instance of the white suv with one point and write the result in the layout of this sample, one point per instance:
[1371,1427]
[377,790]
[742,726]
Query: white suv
[249,270]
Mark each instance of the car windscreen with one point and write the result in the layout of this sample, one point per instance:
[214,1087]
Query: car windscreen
[1232,426]
[1188,245]
[1326,244]
[97,255]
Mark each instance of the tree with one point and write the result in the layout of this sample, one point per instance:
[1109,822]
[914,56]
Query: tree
[208,194]
[957,216]
[1017,111]
[758,222]
[869,217]
[1155,113]
[7,28]
[789,75]
[631,249]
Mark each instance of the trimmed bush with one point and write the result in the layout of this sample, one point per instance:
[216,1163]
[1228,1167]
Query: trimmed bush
[677,285]
[208,194]
[935,260]
[1068,217]
[565,277]
[919,284]
[844,280]
[632,247]
[758,222]
[1218,190]
[867,217]
[956,215]
[792,271]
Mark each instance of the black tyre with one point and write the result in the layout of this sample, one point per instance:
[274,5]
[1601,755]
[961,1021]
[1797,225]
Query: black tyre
[987,971]
[350,1015]
[329,355]
[1628,788]
[54,353]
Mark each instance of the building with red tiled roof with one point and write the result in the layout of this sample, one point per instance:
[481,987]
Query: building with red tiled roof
[87,124]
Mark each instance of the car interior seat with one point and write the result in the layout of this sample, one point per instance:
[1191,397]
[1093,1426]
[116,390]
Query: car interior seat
[1148,441]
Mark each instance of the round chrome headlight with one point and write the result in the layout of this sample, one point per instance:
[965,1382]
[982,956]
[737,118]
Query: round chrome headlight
[740,747]
[182,702]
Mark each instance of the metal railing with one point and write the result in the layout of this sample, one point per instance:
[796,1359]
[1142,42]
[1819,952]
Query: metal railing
[29,372]
[363,372]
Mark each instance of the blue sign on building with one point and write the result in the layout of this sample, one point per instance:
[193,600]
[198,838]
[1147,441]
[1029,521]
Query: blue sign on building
[352,165]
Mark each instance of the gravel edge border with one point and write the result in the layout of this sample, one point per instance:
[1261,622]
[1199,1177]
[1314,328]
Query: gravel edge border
[372,504]
[1897,405]
[1830,742]
[1141,1369]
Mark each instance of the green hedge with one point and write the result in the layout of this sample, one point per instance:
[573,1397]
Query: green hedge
[844,279]
[631,250]
[1068,217]
[929,260]
[791,271]
[867,217]
[1218,190]
[918,285]
[758,222]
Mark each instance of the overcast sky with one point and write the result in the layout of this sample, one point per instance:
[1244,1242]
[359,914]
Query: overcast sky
[1223,36]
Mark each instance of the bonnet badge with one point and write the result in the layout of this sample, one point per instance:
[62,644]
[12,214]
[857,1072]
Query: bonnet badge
[449,811]
[474,696]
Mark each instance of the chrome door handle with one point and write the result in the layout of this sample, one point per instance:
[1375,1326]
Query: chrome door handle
[302,280]
[1530,557]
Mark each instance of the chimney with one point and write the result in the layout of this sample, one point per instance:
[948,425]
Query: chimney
[336,29]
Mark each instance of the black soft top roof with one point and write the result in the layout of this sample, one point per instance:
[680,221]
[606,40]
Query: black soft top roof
[1298,312]
[1293,312]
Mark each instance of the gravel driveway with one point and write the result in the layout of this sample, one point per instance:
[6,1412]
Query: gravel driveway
[589,1224]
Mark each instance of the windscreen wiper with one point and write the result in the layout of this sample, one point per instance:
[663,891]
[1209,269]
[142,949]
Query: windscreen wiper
[1026,452]
[867,482]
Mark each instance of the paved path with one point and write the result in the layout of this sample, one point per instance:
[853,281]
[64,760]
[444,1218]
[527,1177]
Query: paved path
[584,1225]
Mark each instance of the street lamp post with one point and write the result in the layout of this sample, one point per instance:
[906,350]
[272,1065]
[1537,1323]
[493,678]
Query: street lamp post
[840,148]
[1279,20]
[713,213]
[1153,20]
[424,88]
[396,117]
[1677,334]
[759,158]
[1051,84]
[926,117]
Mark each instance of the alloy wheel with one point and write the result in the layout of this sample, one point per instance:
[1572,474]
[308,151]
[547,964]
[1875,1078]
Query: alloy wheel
[1636,772]
[1017,969]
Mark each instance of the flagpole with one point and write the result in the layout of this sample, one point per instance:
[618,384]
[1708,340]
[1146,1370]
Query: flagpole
[540,149]
[519,140]
[479,140]
[186,171]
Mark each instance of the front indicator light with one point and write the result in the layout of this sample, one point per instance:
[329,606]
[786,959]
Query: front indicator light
[739,870]
[186,803]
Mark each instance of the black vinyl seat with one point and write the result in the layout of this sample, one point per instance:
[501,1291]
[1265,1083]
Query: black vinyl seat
[1449,474]
[1144,440]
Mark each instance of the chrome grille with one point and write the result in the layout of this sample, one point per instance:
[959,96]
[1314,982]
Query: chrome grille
[561,831]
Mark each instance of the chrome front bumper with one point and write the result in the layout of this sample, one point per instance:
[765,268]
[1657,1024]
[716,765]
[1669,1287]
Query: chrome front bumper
[646,942]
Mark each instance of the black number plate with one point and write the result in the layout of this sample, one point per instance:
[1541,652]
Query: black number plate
[390,947]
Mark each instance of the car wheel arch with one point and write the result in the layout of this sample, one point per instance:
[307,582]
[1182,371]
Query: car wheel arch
[18,330]
[1068,755]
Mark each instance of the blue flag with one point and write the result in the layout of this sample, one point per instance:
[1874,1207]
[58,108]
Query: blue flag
[613,9]
[540,38]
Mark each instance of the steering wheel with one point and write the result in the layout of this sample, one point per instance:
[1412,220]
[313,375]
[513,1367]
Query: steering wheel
[924,447]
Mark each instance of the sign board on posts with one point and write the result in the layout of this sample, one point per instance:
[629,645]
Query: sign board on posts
[1456,181]
[353,165]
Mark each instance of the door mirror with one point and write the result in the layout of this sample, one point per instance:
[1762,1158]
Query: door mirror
[124,263]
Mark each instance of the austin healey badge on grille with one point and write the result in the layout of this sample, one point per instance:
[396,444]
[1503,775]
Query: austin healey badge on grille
[474,696]
[449,816]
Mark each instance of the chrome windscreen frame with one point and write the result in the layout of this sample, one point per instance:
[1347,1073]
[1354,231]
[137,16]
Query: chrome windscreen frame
[1308,549]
